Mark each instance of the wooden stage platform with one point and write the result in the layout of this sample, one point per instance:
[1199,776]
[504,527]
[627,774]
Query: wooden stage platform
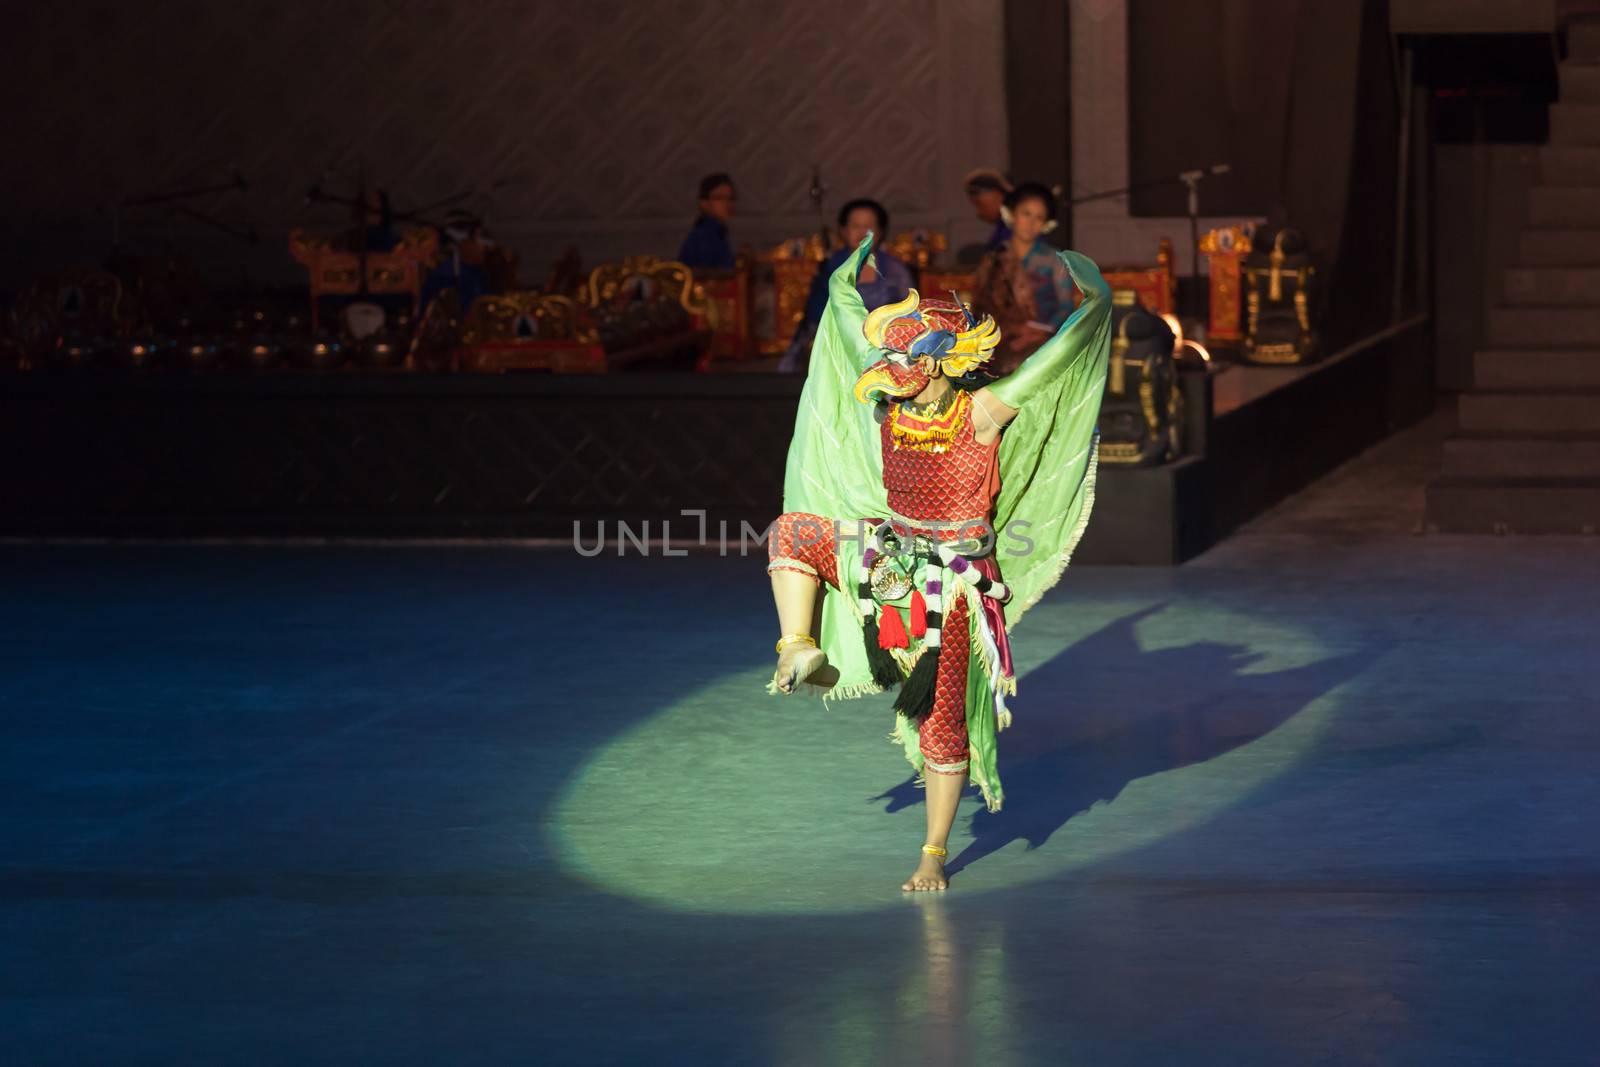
[527,456]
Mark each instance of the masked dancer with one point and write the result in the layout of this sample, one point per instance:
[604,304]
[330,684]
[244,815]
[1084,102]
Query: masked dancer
[926,508]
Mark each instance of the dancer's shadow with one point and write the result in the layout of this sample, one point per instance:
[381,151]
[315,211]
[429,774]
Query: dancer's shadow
[1104,713]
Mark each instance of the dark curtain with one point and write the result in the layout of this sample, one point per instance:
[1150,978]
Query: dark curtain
[1209,81]
[1359,295]
[1039,96]
[1299,97]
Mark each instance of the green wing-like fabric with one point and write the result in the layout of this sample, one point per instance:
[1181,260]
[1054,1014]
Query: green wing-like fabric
[835,464]
[1049,451]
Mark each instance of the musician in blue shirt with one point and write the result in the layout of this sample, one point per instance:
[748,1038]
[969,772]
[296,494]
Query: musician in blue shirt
[889,283]
[706,247]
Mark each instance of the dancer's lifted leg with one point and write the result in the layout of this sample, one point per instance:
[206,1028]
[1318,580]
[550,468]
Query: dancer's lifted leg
[799,658]
[800,559]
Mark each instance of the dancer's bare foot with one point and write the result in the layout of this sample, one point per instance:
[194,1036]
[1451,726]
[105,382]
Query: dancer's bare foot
[803,663]
[928,876]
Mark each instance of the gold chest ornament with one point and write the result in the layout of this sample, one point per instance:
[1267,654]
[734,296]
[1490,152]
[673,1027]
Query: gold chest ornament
[930,429]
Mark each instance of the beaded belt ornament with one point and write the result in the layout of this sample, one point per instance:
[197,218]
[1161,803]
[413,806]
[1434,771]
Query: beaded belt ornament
[882,628]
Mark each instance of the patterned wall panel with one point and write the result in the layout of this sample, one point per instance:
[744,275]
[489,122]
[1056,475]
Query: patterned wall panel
[568,122]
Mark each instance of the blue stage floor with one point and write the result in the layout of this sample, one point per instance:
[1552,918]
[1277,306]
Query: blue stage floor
[1327,795]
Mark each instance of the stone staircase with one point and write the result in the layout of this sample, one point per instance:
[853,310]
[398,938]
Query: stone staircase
[1525,457]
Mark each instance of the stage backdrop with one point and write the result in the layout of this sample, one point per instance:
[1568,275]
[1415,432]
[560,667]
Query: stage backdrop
[572,122]
[1299,97]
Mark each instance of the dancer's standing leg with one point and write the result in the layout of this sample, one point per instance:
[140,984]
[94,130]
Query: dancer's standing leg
[942,738]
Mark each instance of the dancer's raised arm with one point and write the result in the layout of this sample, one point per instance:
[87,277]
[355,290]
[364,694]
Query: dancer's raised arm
[1002,400]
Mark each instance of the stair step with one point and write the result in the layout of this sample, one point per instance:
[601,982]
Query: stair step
[1501,459]
[1572,124]
[1569,164]
[1533,369]
[1580,82]
[1561,246]
[1514,507]
[1523,327]
[1564,205]
[1553,286]
[1583,41]
[1529,413]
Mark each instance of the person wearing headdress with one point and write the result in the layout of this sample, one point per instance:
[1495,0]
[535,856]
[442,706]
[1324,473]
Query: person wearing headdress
[929,507]
[1023,283]
[706,245]
[987,189]
[884,284]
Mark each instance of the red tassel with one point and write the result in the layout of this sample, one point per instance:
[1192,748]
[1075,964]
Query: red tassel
[891,631]
[919,614]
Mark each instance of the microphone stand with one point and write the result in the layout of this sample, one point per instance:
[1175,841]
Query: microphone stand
[315,195]
[1189,179]
[816,193]
[176,198]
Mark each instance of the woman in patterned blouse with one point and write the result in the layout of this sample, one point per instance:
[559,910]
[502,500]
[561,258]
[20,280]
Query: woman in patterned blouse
[1024,283]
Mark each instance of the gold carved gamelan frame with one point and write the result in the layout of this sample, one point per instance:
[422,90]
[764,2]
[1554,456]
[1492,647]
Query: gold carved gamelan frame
[964,283]
[495,335]
[650,278]
[79,303]
[725,297]
[335,272]
[609,282]
[793,264]
[1157,286]
[1225,249]
[918,248]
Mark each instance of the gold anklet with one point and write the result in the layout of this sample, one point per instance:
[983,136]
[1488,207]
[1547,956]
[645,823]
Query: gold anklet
[935,850]
[795,639]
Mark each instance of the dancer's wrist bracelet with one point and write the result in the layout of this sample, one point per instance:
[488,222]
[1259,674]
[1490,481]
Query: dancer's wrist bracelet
[795,639]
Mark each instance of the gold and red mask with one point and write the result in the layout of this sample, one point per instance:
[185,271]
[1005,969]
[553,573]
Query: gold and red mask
[922,339]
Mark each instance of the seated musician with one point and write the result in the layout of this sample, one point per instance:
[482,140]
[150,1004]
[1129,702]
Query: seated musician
[1023,283]
[888,284]
[463,244]
[986,191]
[706,247]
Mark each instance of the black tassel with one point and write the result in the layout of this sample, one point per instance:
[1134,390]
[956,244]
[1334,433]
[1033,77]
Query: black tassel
[916,695]
[885,671]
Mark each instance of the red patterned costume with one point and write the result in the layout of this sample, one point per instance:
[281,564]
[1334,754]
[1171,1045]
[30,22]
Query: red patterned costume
[941,483]
[905,519]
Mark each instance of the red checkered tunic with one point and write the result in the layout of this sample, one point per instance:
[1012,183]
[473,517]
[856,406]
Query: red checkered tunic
[950,486]
[945,487]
